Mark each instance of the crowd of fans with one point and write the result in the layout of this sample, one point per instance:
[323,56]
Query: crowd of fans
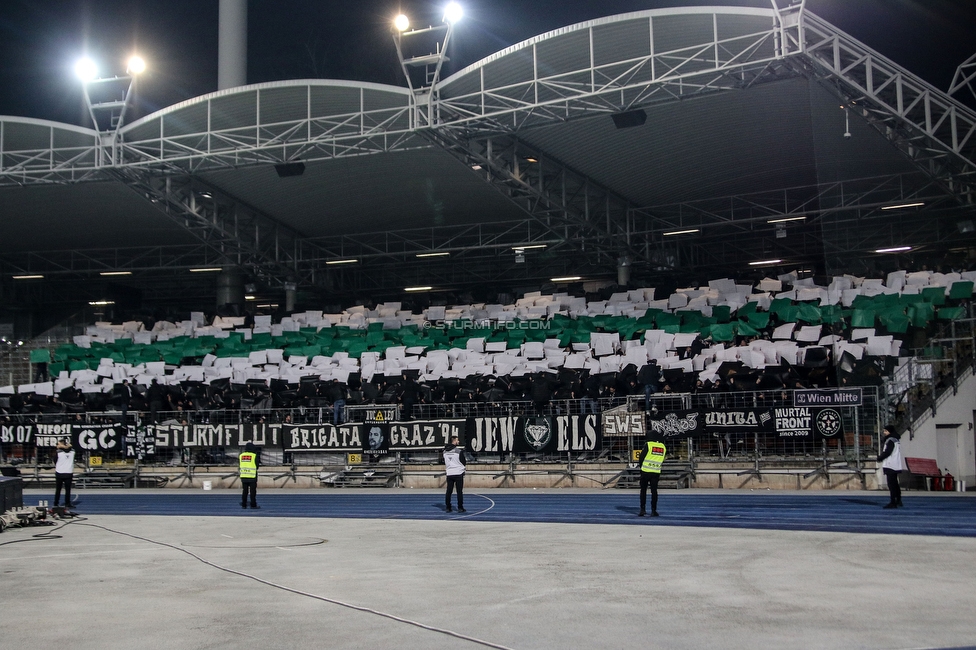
[556,390]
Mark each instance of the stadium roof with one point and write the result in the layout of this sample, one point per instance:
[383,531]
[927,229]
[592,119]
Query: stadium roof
[761,135]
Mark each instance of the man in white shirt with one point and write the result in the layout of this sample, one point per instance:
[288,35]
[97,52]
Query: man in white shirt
[64,470]
[454,462]
[891,461]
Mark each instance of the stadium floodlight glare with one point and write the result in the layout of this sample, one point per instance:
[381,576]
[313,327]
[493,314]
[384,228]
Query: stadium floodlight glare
[896,249]
[418,288]
[207,270]
[529,247]
[100,303]
[332,262]
[402,23]
[28,277]
[568,278]
[764,262]
[86,70]
[444,254]
[453,12]
[681,232]
[786,219]
[250,297]
[136,65]
[115,273]
[904,205]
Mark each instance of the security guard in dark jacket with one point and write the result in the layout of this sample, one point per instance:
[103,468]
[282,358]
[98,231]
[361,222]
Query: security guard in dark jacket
[651,458]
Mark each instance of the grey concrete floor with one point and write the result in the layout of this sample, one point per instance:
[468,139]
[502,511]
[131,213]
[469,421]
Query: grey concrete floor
[515,585]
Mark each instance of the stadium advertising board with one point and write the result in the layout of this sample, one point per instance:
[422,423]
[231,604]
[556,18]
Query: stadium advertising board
[829,397]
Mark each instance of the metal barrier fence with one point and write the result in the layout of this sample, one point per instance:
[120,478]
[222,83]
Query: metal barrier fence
[861,426]
[931,376]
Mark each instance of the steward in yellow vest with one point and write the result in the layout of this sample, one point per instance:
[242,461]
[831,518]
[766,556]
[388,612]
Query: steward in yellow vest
[250,460]
[651,458]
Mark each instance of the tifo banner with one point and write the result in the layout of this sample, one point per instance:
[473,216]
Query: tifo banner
[676,424]
[49,435]
[828,423]
[737,420]
[376,438]
[808,423]
[491,434]
[216,435]
[84,437]
[141,445]
[380,415]
[98,437]
[20,434]
[793,422]
[564,433]
[623,424]
[533,434]
[829,397]
[413,436]
[322,437]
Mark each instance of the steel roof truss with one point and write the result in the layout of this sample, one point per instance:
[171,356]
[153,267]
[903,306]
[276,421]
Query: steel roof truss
[899,105]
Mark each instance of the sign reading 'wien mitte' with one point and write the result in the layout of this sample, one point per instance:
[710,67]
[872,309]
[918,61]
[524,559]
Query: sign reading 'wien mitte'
[828,397]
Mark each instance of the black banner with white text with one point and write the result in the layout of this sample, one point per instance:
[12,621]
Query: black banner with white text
[572,433]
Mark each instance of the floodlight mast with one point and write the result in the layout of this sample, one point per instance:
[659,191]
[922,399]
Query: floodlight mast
[789,37]
[423,72]
[107,99]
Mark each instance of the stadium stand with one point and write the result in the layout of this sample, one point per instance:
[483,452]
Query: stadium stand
[719,337]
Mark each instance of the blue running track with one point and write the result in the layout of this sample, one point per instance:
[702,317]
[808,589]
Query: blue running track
[857,513]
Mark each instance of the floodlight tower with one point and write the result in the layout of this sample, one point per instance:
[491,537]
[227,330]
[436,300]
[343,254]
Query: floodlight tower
[107,99]
[422,53]
[789,26]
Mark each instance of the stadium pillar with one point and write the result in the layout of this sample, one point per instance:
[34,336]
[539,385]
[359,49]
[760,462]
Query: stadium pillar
[290,291]
[230,288]
[623,270]
[232,44]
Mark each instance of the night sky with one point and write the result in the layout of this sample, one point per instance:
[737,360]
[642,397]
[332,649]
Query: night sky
[349,39]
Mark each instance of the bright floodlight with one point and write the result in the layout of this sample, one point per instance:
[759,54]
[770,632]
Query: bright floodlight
[402,23]
[137,65]
[86,70]
[453,12]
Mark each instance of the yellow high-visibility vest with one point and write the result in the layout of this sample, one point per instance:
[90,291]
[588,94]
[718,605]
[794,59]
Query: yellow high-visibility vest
[249,464]
[654,457]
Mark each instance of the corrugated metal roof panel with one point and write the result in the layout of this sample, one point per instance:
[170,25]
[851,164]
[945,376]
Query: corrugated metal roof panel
[683,31]
[87,215]
[283,104]
[718,145]
[413,189]
[234,111]
[564,53]
[632,36]
[192,119]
